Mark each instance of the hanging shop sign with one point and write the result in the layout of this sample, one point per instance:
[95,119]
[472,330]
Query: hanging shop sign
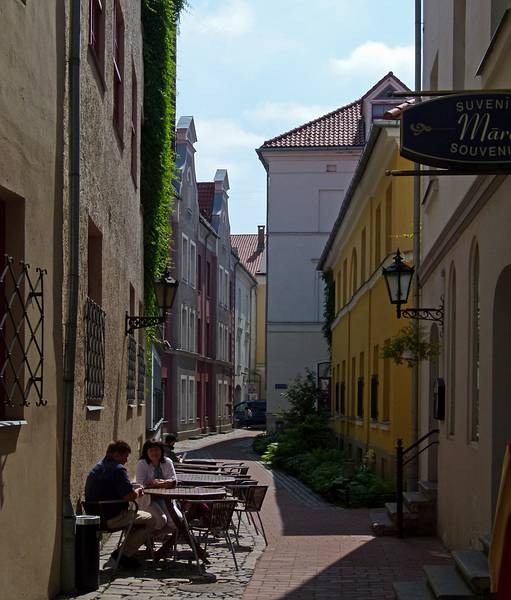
[460,131]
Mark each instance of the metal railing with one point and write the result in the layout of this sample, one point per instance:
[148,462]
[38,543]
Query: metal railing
[95,328]
[400,465]
[21,333]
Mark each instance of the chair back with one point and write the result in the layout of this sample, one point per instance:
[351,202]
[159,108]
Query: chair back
[98,507]
[254,497]
[221,514]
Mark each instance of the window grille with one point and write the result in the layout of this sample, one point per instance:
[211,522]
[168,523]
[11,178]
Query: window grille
[94,352]
[132,369]
[21,334]
[141,375]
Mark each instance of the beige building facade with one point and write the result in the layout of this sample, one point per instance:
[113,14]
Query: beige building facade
[31,138]
[466,259]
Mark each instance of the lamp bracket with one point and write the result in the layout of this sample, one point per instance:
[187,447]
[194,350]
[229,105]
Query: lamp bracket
[141,322]
[424,314]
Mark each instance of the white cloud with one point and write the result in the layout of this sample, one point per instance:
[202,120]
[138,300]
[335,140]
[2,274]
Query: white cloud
[377,58]
[235,18]
[287,112]
[222,135]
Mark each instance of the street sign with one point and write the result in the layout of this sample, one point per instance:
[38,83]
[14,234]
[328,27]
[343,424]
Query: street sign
[460,131]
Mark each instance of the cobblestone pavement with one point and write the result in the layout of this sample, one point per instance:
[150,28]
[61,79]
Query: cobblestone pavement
[315,550]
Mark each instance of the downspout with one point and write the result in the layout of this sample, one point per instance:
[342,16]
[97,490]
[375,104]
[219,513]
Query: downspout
[67,574]
[414,471]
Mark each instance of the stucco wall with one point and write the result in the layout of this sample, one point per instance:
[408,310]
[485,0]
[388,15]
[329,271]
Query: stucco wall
[110,198]
[31,103]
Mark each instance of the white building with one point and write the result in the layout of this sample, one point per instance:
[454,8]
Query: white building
[308,171]
[244,328]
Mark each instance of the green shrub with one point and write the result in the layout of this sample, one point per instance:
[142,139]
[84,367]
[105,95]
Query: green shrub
[269,455]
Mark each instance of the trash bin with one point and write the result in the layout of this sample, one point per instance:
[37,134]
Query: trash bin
[87,553]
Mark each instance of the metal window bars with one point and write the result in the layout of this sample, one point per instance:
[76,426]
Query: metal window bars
[141,375]
[132,370]
[21,333]
[94,352]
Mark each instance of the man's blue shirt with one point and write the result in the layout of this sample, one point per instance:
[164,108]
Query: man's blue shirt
[108,480]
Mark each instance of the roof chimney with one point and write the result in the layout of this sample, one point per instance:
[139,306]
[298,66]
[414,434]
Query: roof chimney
[260,237]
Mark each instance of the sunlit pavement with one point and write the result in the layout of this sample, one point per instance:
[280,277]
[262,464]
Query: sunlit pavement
[315,550]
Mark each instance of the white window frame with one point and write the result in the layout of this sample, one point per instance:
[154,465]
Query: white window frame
[183,399]
[185,258]
[193,264]
[192,401]
[227,298]
[184,327]
[192,320]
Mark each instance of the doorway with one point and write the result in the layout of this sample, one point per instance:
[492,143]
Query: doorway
[501,400]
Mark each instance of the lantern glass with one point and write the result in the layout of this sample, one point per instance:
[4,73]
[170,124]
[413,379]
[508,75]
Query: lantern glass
[398,277]
[165,291]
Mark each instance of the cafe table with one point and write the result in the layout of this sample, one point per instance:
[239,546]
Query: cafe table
[187,493]
[203,479]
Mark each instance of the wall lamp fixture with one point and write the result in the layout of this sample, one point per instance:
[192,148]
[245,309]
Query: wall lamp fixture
[165,289]
[398,277]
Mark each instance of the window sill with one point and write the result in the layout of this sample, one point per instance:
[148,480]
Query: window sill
[132,405]
[384,425]
[12,424]
[94,408]
[359,421]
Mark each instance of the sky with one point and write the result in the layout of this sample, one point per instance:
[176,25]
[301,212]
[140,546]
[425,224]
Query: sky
[249,70]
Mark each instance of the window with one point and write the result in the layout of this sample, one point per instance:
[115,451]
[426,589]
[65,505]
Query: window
[184,327]
[385,416]
[220,286]
[199,272]
[97,33]
[343,389]
[118,59]
[388,220]
[192,316]
[378,110]
[199,335]
[95,263]
[374,397]
[193,264]
[134,125]
[451,326]
[353,377]
[208,279]
[184,258]
[183,399]
[377,238]
[363,257]
[227,291]
[475,328]
[192,406]
[360,388]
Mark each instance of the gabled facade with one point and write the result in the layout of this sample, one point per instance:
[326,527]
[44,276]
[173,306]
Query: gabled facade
[308,170]
[180,359]
[370,397]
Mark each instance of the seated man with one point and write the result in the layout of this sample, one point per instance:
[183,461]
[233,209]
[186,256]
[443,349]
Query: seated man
[170,442]
[109,480]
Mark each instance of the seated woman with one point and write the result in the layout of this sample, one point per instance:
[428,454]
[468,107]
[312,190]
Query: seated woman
[156,471]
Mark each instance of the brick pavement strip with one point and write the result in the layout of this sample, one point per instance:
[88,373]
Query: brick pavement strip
[315,550]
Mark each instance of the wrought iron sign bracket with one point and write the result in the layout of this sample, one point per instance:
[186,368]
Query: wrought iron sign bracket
[134,322]
[424,314]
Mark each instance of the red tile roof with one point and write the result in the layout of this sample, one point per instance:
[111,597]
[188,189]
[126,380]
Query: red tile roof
[250,256]
[342,127]
[206,192]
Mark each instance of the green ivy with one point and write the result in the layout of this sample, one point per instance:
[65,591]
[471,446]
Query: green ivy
[328,307]
[159,21]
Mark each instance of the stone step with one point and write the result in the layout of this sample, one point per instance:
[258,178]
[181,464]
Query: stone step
[429,488]
[381,523]
[412,590]
[447,584]
[416,501]
[485,541]
[392,511]
[473,566]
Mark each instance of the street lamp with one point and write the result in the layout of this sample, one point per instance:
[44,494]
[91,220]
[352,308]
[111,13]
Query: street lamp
[398,277]
[165,290]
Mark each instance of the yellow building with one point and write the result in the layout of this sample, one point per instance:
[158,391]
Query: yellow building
[370,401]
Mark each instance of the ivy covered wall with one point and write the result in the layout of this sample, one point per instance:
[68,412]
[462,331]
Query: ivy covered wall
[159,21]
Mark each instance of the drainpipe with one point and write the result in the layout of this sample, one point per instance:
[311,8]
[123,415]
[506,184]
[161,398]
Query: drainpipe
[414,469]
[67,575]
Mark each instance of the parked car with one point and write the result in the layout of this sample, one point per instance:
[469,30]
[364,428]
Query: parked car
[251,413]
